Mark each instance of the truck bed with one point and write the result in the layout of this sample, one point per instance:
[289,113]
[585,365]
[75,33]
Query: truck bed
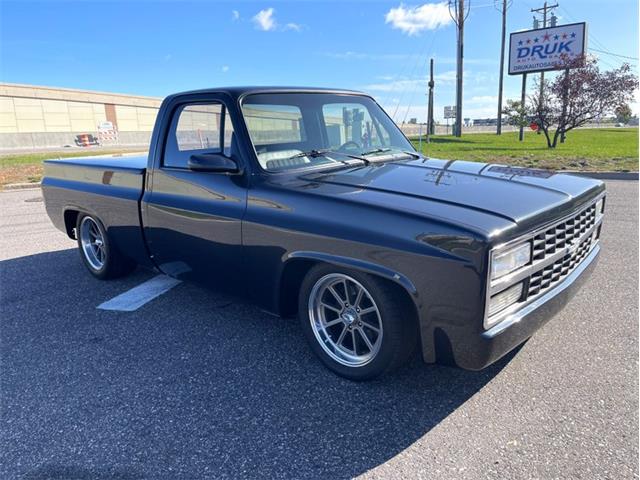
[117,161]
[108,186]
[115,170]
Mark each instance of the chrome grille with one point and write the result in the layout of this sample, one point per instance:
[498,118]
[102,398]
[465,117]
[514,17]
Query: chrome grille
[552,274]
[559,236]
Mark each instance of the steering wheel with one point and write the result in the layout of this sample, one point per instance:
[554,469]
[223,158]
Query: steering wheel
[345,146]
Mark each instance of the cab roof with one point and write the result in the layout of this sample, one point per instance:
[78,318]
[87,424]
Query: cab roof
[237,92]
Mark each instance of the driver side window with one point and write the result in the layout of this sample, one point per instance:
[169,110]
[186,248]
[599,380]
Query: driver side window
[197,128]
[351,124]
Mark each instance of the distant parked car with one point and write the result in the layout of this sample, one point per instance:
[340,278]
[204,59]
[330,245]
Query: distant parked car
[86,140]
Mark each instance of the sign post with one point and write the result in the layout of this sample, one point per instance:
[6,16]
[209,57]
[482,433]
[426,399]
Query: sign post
[449,112]
[523,99]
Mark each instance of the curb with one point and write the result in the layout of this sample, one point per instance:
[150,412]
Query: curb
[604,175]
[21,186]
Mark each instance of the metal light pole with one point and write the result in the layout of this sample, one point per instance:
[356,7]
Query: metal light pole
[501,81]
[458,14]
[430,103]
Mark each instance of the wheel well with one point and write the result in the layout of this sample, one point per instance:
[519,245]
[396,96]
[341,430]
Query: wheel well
[70,219]
[294,273]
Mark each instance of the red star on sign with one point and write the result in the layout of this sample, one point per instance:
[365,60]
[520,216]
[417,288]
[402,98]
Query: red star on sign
[564,36]
[546,38]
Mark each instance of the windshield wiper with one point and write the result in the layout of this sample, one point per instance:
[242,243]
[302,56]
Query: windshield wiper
[323,153]
[311,153]
[385,150]
[375,150]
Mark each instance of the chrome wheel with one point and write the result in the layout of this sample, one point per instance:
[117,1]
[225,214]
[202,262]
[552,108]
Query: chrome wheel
[92,242]
[345,320]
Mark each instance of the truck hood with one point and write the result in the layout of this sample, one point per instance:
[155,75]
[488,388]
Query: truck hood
[520,195]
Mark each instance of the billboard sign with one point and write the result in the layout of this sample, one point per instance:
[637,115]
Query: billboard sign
[450,112]
[543,48]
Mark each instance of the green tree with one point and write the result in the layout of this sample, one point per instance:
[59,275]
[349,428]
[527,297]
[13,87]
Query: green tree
[579,95]
[623,113]
[516,113]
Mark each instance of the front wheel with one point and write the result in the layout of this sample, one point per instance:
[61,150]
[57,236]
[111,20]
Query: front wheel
[98,253]
[358,325]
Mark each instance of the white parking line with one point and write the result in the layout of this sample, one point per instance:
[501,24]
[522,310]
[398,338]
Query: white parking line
[136,297]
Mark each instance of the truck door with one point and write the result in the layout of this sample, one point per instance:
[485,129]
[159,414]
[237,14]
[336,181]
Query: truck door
[192,219]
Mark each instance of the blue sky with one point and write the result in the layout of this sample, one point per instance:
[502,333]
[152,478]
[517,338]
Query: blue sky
[157,48]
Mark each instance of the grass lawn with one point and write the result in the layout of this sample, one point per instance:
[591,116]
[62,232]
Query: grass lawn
[598,149]
[27,167]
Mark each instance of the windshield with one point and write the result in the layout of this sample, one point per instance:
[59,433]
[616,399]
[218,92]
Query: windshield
[299,130]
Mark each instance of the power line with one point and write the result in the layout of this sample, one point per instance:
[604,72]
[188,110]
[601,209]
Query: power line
[593,39]
[415,87]
[614,54]
[388,97]
[411,75]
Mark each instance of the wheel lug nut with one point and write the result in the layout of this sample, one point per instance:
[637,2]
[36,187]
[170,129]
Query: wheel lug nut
[346,304]
[359,324]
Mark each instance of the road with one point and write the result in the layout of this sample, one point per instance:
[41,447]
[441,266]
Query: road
[196,384]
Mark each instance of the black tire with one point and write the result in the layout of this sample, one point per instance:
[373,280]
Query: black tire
[399,326]
[110,263]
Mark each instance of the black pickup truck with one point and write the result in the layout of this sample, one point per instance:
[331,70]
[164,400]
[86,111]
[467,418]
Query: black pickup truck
[313,202]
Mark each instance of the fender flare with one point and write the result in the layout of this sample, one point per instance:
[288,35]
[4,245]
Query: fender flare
[80,210]
[358,264]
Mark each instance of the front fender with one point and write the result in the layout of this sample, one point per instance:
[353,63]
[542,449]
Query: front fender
[357,264]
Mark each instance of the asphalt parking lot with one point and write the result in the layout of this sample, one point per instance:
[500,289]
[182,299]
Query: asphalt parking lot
[196,384]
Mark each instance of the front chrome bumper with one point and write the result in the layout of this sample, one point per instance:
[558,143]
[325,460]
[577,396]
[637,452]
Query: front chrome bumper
[517,316]
[479,350]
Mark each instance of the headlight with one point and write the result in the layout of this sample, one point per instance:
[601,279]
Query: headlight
[599,208]
[503,300]
[510,260]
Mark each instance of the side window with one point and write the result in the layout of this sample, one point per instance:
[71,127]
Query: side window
[197,128]
[346,122]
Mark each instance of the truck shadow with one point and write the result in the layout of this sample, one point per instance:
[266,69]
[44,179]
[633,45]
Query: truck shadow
[195,382]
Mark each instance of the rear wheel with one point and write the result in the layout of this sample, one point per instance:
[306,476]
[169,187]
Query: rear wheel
[357,324]
[97,251]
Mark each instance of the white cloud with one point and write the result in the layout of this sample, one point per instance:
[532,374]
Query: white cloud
[293,26]
[411,84]
[235,15]
[225,68]
[350,55]
[413,20]
[484,99]
[396,85]
[265,20]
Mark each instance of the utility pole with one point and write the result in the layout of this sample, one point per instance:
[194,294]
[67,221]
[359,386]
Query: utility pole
[544,9]
[430,103]
[458,14]
[503,10]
